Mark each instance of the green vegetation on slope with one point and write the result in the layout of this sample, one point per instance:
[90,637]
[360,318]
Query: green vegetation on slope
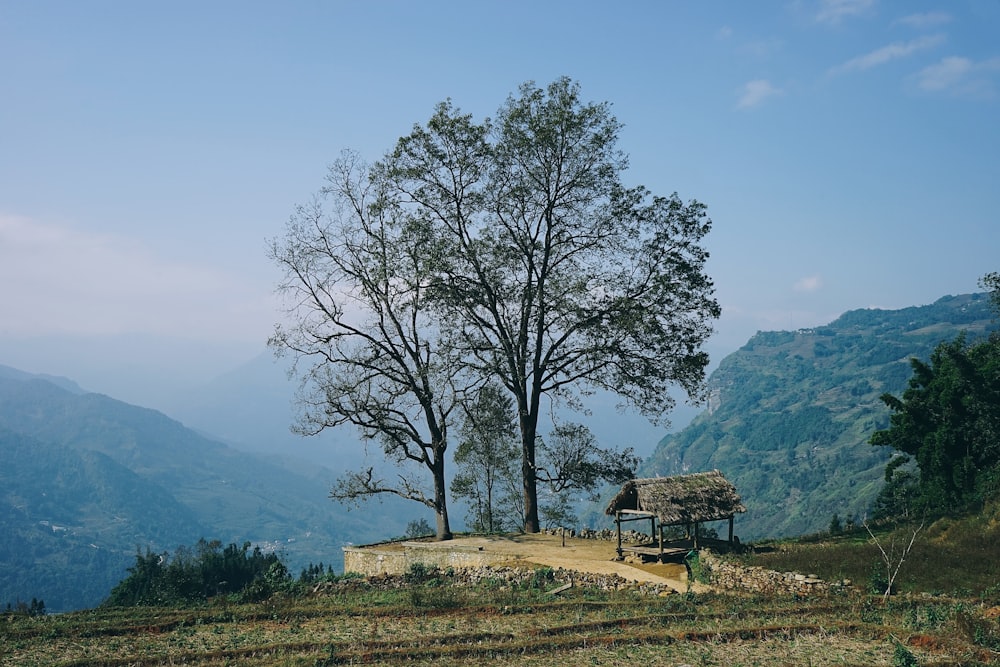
[950,556]
[790,413]
[948,421]
[87,480]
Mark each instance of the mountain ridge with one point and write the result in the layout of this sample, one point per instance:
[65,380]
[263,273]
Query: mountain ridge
[790,413]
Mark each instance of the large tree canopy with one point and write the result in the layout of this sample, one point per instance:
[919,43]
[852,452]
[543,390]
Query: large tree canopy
[507,251]
[560,279]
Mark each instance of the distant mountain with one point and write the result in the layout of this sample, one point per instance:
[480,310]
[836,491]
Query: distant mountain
[85,480]
[64,383]
[251,408]
[790,413]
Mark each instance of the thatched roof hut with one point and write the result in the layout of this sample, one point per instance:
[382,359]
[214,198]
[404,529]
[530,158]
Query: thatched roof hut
[679,500]
[682,499]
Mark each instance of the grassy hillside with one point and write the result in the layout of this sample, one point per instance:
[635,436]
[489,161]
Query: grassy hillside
[791,412]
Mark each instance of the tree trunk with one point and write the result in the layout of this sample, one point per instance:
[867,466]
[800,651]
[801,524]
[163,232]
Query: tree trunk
[531,523]
[529,482]
[441,498]
[528,414]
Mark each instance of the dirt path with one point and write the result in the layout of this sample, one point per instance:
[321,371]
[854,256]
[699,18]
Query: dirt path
[594,556]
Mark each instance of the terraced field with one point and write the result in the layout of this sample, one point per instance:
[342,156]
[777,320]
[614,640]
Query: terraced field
[436,621]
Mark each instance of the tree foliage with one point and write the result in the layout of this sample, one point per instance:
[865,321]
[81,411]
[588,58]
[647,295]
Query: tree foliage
[358,273]
[948,420]
[564,280]
[991,283]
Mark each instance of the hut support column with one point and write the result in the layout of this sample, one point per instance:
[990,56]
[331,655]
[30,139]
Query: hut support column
[730,531]
[696,535]
[661,541]
[618,523]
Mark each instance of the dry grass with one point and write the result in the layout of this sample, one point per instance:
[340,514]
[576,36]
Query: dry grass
[950,557]
[453,625]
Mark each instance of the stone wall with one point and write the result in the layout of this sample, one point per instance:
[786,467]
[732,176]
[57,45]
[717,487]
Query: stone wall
[733,576]
[397,558]
[501,575]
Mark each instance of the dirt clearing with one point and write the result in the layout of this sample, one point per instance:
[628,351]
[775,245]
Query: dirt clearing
[592,556]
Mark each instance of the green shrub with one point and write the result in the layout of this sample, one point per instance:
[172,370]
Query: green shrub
[193,576]
[418,573]
[542,577]
[902,657]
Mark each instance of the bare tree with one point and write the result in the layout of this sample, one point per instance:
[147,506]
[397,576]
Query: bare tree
[366,345]
[893,555]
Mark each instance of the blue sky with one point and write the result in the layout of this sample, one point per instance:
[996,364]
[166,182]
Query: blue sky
[848,151]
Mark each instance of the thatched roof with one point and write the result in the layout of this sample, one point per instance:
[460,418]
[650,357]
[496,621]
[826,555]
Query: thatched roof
[703,496]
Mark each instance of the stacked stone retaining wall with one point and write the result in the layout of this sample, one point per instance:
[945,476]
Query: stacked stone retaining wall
[398,558]
[499,575]
[733,576]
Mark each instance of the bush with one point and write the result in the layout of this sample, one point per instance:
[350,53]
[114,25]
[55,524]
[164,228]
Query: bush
[193,576]
[542,577]
[902,657]
[418,573]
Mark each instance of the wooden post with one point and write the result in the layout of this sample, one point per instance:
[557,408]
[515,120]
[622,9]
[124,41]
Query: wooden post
[696,535]
[618,523]
[652,527]
[730,531]
[661,541]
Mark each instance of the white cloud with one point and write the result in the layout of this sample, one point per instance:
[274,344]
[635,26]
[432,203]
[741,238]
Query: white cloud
[753,93]
[62,280]
[888,53]
[834,11]
[925,20]
[960,76]
[808,284]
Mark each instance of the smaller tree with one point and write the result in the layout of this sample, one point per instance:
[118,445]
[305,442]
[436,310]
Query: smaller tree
[570,461]
[991,282]
[893,555]
[487,459]
[418,528]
